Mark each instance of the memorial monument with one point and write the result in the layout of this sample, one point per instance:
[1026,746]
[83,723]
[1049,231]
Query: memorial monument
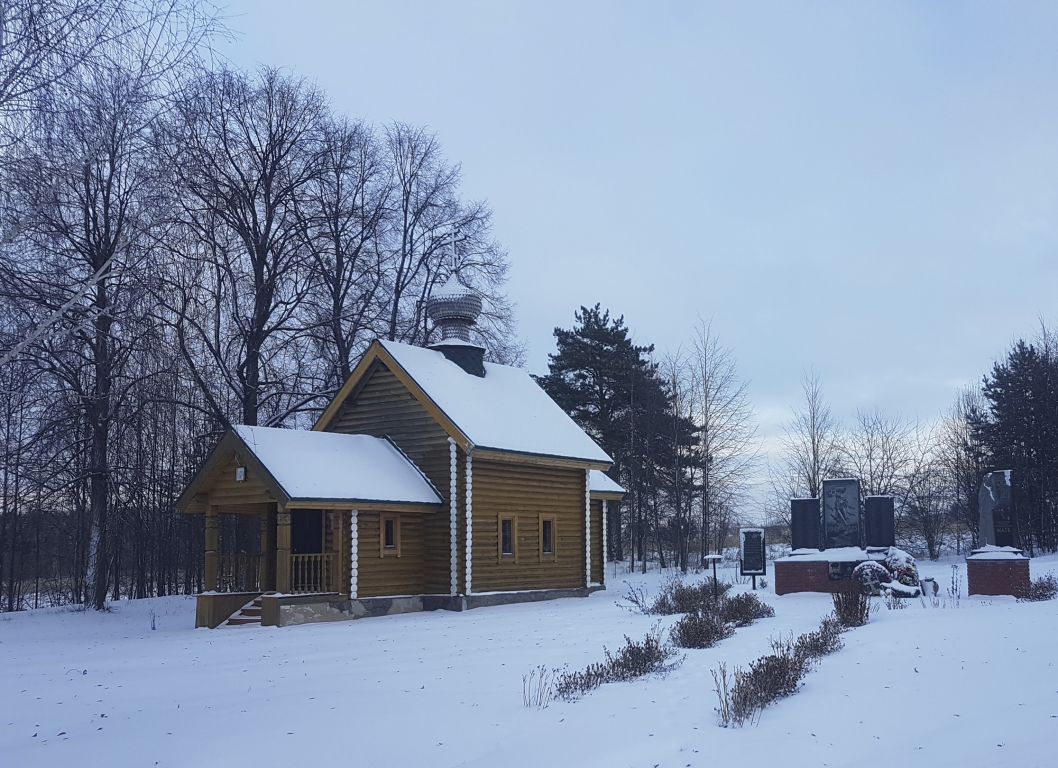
[998,566]
[995,499]
[827,539]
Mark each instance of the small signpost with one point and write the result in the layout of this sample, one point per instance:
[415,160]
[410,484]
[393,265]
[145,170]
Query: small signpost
[714,559]
[753,560]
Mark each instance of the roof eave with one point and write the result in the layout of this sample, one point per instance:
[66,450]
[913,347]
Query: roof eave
[365,505]
[484,451]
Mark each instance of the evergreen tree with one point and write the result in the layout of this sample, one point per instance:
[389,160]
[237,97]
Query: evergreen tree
[1021,434]
[610,386]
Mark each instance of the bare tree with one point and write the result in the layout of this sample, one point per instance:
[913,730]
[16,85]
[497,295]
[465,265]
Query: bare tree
[926,501]
[810,441]
[81,191]
[727,434]
[245,152]
[346,210]
[964,458]
[878,451]
[43,42]
[425,211]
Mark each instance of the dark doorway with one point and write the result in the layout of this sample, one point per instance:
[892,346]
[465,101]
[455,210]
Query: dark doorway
[306,534]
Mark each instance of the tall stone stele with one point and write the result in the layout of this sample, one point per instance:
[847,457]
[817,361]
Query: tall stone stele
[995,501]
[842,525]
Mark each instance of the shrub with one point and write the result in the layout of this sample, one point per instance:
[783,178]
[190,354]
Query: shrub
[638,599]
[1043,588]
[632,660]
[823,641]
[536,688]
[852,605]
[722,686]
[677,596]
[742,610]
[894,601]
[699,630]
[767,680]
[743,694]
[570,686]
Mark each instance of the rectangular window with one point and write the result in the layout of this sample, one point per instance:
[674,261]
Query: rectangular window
[389,540]
[547,536]
[507,536]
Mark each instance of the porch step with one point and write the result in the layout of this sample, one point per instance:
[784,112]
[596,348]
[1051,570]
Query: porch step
[248,615]
[242,621]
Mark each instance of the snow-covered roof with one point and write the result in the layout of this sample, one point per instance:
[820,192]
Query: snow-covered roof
[331,465]
[600,482]
[504,410]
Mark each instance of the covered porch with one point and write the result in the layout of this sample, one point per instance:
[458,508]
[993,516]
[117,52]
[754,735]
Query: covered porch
[280,510]
[266,548]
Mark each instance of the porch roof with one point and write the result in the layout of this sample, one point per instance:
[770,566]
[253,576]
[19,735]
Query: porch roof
[298,468]
[601,486]
[338,467]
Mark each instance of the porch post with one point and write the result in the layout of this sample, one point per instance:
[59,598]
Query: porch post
[605,543]
[453,517]
[587,528]
[212,544]
[267,579]
[354,552]
[469,498]
[283,551]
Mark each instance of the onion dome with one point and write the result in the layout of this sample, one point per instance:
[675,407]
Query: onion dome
[455,310]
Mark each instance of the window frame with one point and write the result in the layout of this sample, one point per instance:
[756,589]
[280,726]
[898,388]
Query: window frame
[383,550]
[501,556]
[553,554]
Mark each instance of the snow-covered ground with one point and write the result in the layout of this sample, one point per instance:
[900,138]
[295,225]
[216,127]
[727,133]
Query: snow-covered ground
[968,686]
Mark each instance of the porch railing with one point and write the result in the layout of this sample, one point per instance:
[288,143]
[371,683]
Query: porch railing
[238,572]
[313,573]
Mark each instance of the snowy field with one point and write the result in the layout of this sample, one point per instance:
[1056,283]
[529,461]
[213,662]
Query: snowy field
[968,686]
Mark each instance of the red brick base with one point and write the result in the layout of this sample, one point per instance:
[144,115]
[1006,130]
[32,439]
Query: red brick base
[997,577]
[809,576]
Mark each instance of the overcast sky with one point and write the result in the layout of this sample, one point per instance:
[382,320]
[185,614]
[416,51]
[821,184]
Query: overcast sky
[866,189]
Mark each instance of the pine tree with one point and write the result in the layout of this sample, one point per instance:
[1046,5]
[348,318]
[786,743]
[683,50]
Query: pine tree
[610,386]
[1021,434]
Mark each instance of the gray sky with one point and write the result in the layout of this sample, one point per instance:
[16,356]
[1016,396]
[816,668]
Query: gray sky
[866,189]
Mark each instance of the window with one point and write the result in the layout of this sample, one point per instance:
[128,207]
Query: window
[547,537]
[507,536]
[389,544]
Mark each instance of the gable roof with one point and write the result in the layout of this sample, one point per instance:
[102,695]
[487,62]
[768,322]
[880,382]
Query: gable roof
[298,468]
[599,483]
[333,466]
[506,410]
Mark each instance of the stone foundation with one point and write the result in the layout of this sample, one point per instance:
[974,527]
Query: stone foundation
[1008,576]
[288,610]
